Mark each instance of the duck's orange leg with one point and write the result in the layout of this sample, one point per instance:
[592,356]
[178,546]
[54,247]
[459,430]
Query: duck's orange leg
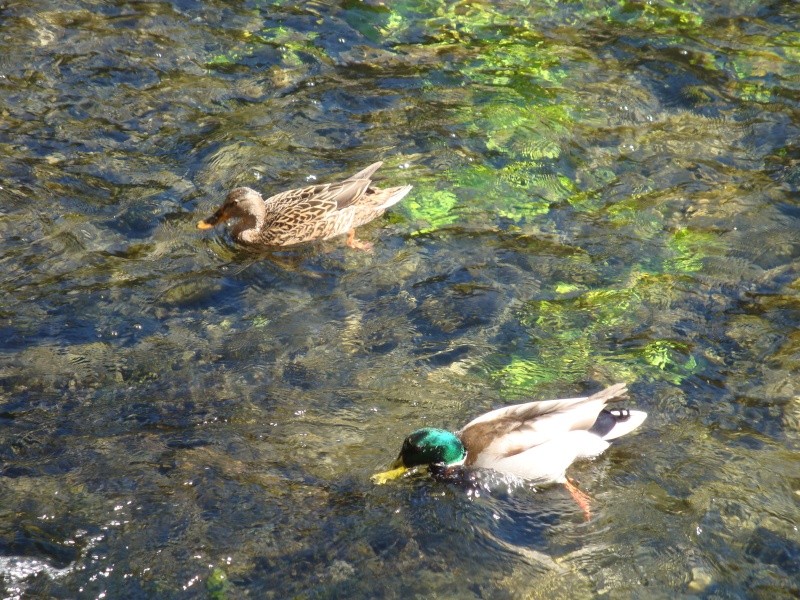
[356,244]
[580,498]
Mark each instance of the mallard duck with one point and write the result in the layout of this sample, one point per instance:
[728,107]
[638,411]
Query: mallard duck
[316,212]
[537,441]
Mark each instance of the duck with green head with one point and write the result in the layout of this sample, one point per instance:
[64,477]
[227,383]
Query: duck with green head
[537,441]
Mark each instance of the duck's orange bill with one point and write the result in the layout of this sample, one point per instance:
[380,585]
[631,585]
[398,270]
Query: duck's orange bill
[215,219]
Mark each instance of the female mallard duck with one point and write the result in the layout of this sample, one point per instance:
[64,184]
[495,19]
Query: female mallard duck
[535,440]
[316,212]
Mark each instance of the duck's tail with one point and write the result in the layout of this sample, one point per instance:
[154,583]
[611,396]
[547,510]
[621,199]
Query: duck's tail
[616,422]
[394,195]
[612,423]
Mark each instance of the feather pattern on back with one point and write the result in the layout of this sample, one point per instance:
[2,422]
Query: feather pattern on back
[535,440]
[315,212]
[538,440]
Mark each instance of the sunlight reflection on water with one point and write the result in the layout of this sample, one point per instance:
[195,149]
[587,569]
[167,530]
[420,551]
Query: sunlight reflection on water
[602,192]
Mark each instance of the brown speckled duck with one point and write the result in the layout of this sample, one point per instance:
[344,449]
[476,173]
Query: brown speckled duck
[316,212]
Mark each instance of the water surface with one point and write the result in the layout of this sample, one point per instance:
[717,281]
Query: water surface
[603,192]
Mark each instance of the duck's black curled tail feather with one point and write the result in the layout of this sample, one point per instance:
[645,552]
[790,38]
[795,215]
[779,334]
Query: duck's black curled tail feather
[615,422]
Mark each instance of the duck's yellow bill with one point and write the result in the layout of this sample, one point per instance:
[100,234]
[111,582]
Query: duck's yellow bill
[381,478]
[204,225]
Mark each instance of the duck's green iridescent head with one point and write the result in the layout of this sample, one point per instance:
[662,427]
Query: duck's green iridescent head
[428,446]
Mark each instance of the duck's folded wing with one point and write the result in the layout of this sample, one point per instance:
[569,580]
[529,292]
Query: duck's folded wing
[366,173]
[306,210]
[514,429]
[321,198]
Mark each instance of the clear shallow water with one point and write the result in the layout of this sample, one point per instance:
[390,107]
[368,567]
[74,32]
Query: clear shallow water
[603,192]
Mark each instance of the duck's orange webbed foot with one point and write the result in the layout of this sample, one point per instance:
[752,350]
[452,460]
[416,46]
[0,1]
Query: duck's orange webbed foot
[583,500]
[357,244]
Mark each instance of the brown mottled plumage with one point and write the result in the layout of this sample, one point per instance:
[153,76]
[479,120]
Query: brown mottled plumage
[316,212]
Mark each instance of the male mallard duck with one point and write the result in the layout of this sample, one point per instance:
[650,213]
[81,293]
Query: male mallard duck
[535,440]
[316,212]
